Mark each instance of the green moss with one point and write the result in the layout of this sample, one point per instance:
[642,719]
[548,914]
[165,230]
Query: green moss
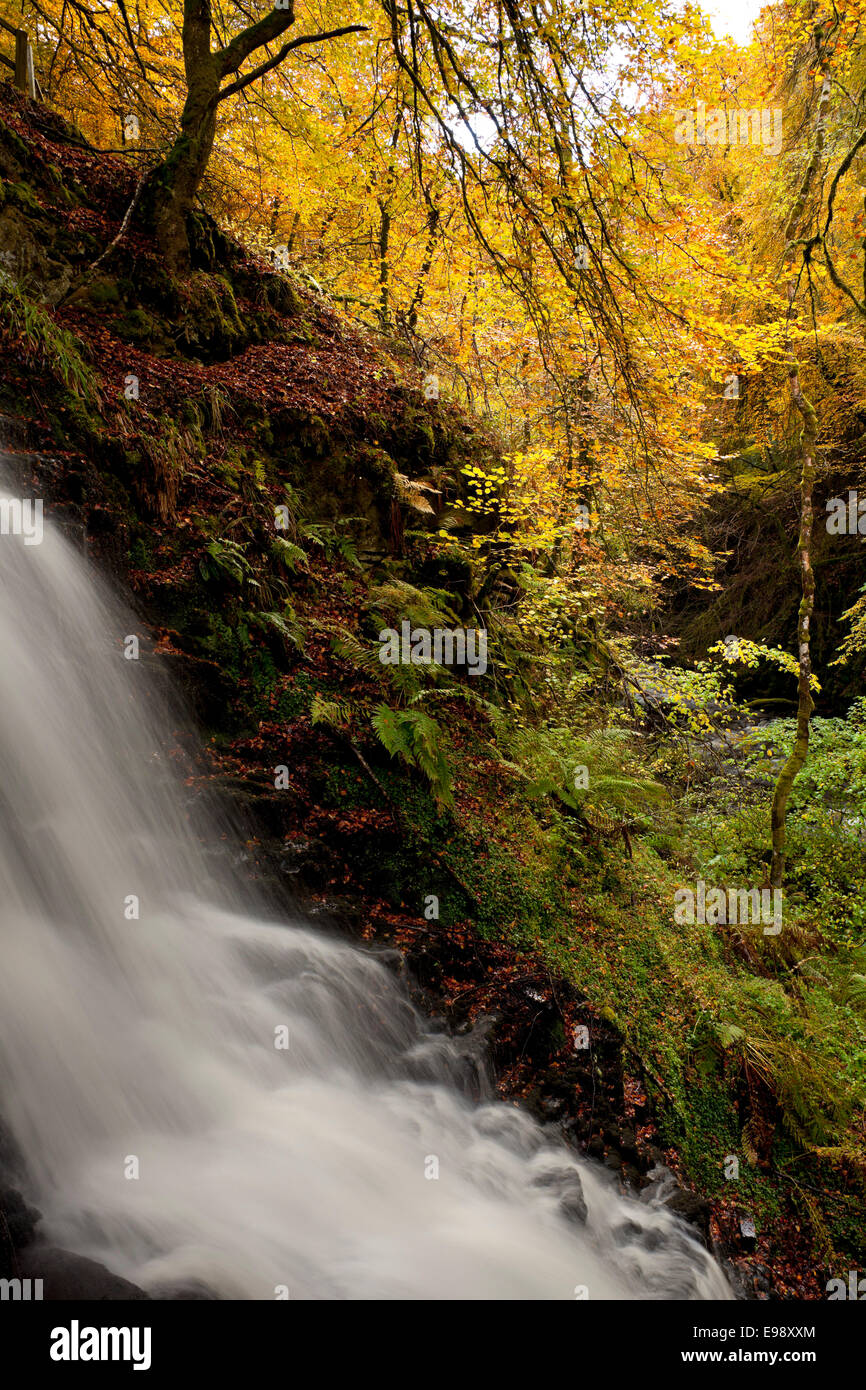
[211,322]
[13,142]
[22,196]
[138,326]
[139,554]
[102,291]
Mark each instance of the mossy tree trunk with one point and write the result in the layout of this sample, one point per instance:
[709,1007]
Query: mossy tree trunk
[797,757]
[799,752]
[173,185]
[176,182]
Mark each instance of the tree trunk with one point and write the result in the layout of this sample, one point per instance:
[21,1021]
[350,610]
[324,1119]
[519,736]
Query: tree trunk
[797,756]
[176,182]
[384,310]
[421,285]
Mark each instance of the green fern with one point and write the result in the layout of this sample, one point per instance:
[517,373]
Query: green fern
[225,559]
[335,714]
[328,539]
[286,624]
[811,1105]
[625,793]
[427,608]
[417,740]
[362,657]
[291,555]
[404,680]
[392,732]
[549,756]
[855,991]
[344,546]
[456,692]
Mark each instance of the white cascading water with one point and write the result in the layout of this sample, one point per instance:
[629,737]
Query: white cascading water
[258,1167]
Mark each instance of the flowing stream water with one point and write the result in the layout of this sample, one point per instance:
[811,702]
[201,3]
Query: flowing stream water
[165,1132]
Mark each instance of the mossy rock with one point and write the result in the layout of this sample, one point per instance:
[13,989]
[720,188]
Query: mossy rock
[138,326]
[212,325]
[270,290]
[22,196]
[417,435]
[448,568]
[15,153]
[101,290]
[377,466]
[209,247]
[152,286]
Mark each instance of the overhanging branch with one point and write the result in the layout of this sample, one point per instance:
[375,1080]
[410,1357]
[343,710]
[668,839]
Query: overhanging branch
[286,49]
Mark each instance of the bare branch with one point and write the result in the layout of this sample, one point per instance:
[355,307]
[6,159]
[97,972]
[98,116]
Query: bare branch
[287,48]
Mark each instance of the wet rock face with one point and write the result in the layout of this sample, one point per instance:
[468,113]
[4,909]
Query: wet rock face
[693,1209]
[17,1229]
[66,1276]
[24,1256]
[24,259]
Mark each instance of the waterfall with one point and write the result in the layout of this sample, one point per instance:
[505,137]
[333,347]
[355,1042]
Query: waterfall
[144,1002]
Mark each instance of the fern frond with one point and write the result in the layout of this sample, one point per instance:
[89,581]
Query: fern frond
[412,493]
[623,792]
[392,732]
[417,740]
[405,680]
[293,556]
[428,608]
[287,627]
[362,657]
[855,991]
[455,692]
[335,714]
